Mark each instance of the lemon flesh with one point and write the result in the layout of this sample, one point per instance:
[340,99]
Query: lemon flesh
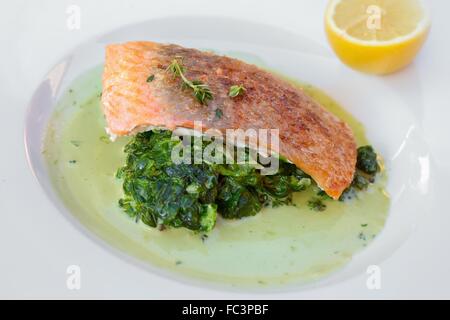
[376,36]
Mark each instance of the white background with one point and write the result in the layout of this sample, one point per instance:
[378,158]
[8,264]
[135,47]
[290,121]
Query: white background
[37,243]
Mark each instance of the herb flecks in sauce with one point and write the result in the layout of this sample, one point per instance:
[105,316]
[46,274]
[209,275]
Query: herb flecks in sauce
[362,236]
[75,143]
[105,139]
[316,204]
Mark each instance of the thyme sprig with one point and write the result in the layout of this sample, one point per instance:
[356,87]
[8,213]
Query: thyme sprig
[201,90]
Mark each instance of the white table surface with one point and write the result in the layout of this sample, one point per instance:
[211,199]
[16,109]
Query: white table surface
[37,243]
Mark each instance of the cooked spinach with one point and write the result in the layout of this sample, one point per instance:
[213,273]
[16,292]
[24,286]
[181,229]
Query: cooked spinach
[367,167]
[367,160]
[163,194]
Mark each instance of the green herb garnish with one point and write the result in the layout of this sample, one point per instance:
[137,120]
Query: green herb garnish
[151,78]
[236,90]
[219,113]
[201,90]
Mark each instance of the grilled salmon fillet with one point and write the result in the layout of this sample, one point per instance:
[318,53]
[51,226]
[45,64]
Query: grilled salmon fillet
[311,137]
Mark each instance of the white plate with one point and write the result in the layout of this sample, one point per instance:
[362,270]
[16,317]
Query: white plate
[390,122]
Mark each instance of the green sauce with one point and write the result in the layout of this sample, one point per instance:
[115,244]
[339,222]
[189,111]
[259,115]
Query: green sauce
[279,246]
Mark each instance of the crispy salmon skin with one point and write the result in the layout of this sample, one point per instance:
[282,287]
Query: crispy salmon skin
[139,92]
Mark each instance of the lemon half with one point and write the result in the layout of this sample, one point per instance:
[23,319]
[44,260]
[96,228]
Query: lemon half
[377,36]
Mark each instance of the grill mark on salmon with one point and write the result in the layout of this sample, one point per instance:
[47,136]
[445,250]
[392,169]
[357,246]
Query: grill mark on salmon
[311,137]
